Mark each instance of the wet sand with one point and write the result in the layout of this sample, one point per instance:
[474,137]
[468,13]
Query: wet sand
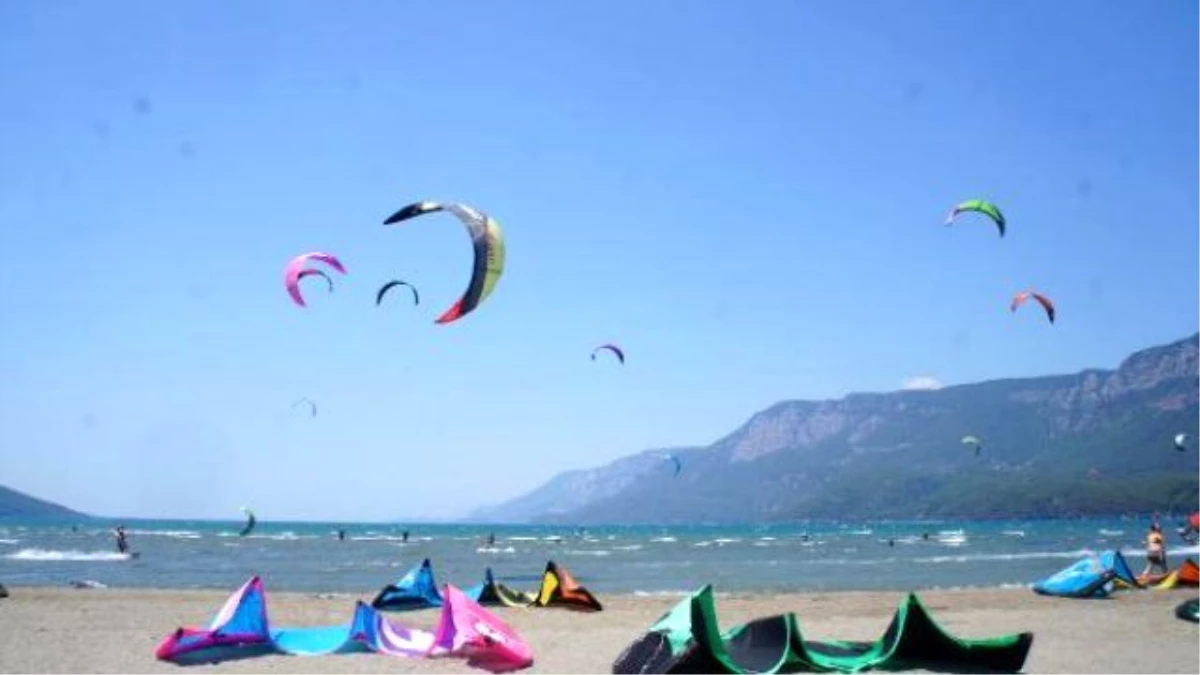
[110,631]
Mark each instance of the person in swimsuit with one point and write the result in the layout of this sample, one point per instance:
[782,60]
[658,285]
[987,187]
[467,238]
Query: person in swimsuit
[1156,551]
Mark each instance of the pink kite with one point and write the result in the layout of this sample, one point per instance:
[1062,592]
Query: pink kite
[295,269]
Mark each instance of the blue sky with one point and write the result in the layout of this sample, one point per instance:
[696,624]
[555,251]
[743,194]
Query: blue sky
[748,197]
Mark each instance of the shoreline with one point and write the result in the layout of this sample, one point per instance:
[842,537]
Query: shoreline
[54,629]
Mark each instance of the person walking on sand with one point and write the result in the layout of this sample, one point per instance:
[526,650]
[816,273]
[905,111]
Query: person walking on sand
[1156,551]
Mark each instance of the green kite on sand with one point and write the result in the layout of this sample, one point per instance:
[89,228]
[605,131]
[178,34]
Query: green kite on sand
[687,639]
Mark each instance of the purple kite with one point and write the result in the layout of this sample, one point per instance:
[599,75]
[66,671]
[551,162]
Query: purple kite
[292,273]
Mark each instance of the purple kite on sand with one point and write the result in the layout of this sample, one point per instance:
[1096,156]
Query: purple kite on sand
[241,629]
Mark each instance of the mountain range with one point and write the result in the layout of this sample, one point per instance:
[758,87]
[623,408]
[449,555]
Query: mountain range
[19,504]
[1094,442]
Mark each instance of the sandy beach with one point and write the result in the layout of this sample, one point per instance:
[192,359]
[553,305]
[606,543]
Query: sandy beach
[108,631]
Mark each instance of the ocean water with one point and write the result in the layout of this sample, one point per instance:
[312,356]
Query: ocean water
[650,560]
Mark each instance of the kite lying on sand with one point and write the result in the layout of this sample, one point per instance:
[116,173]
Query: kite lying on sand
[241,630]
[688,639]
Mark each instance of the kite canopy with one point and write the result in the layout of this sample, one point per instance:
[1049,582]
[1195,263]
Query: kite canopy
[559,589]
[467,629]
[612,348]
[674,460]
[1092,577]
[295,268]
[392,284]
[1181,442]
[415,590]
[492,592]
[250,522]
[488,241]
[1020,298]
[979,206]
[688,639]
[1189,610]
[316,273]
[241,629]
[312,407]
[973,441]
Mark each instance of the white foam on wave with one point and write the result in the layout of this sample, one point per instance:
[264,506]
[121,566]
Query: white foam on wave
[282,536]
[9,541]
[493,549]
[378,537]
[1031,555]
[661,594]
[173,534]
[1013,533]
[1112,533]
[44,555]
[665,540]
[600,552]
[630,547]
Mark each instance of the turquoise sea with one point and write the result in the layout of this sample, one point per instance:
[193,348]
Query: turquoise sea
[308,557]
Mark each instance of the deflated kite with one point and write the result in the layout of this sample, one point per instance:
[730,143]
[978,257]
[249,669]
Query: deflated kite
[612,348]
[973,440]
[488,241]
[295,271]
[1020,298]
[979,206]
[392,284]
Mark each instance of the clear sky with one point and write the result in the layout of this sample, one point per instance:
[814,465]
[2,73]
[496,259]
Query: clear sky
[748,197]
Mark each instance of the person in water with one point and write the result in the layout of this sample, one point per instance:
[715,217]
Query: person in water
[404,536]
[341,535]
[122,541]
[1190,530]
[1156,551]
[491,540]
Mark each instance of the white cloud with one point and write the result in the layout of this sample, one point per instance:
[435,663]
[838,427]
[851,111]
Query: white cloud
[923,382]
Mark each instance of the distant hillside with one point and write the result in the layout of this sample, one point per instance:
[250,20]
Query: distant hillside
[13,503]
[1094,442]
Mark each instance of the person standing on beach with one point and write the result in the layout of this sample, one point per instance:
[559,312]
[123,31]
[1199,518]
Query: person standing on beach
[1156,551]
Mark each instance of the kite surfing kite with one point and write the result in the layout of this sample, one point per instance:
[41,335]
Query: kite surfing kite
[979,206]
[295,269]
[973,440]
[250,521]
[312,406]
[1181,442]
[675,460]
[392,284]
[612,348]
[488,241]
[1020,298]
[316,273]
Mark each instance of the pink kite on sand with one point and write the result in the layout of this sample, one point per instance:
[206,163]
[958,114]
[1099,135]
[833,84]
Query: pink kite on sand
[241,629]
[292,273]
[467,629]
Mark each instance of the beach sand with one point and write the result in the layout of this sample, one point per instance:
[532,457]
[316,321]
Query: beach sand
[109,631]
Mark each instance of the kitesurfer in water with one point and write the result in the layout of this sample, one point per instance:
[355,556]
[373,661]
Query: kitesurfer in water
[1190,530]
[341,535]
[491,540]
[122,541]
[404,537]
[1156,551]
